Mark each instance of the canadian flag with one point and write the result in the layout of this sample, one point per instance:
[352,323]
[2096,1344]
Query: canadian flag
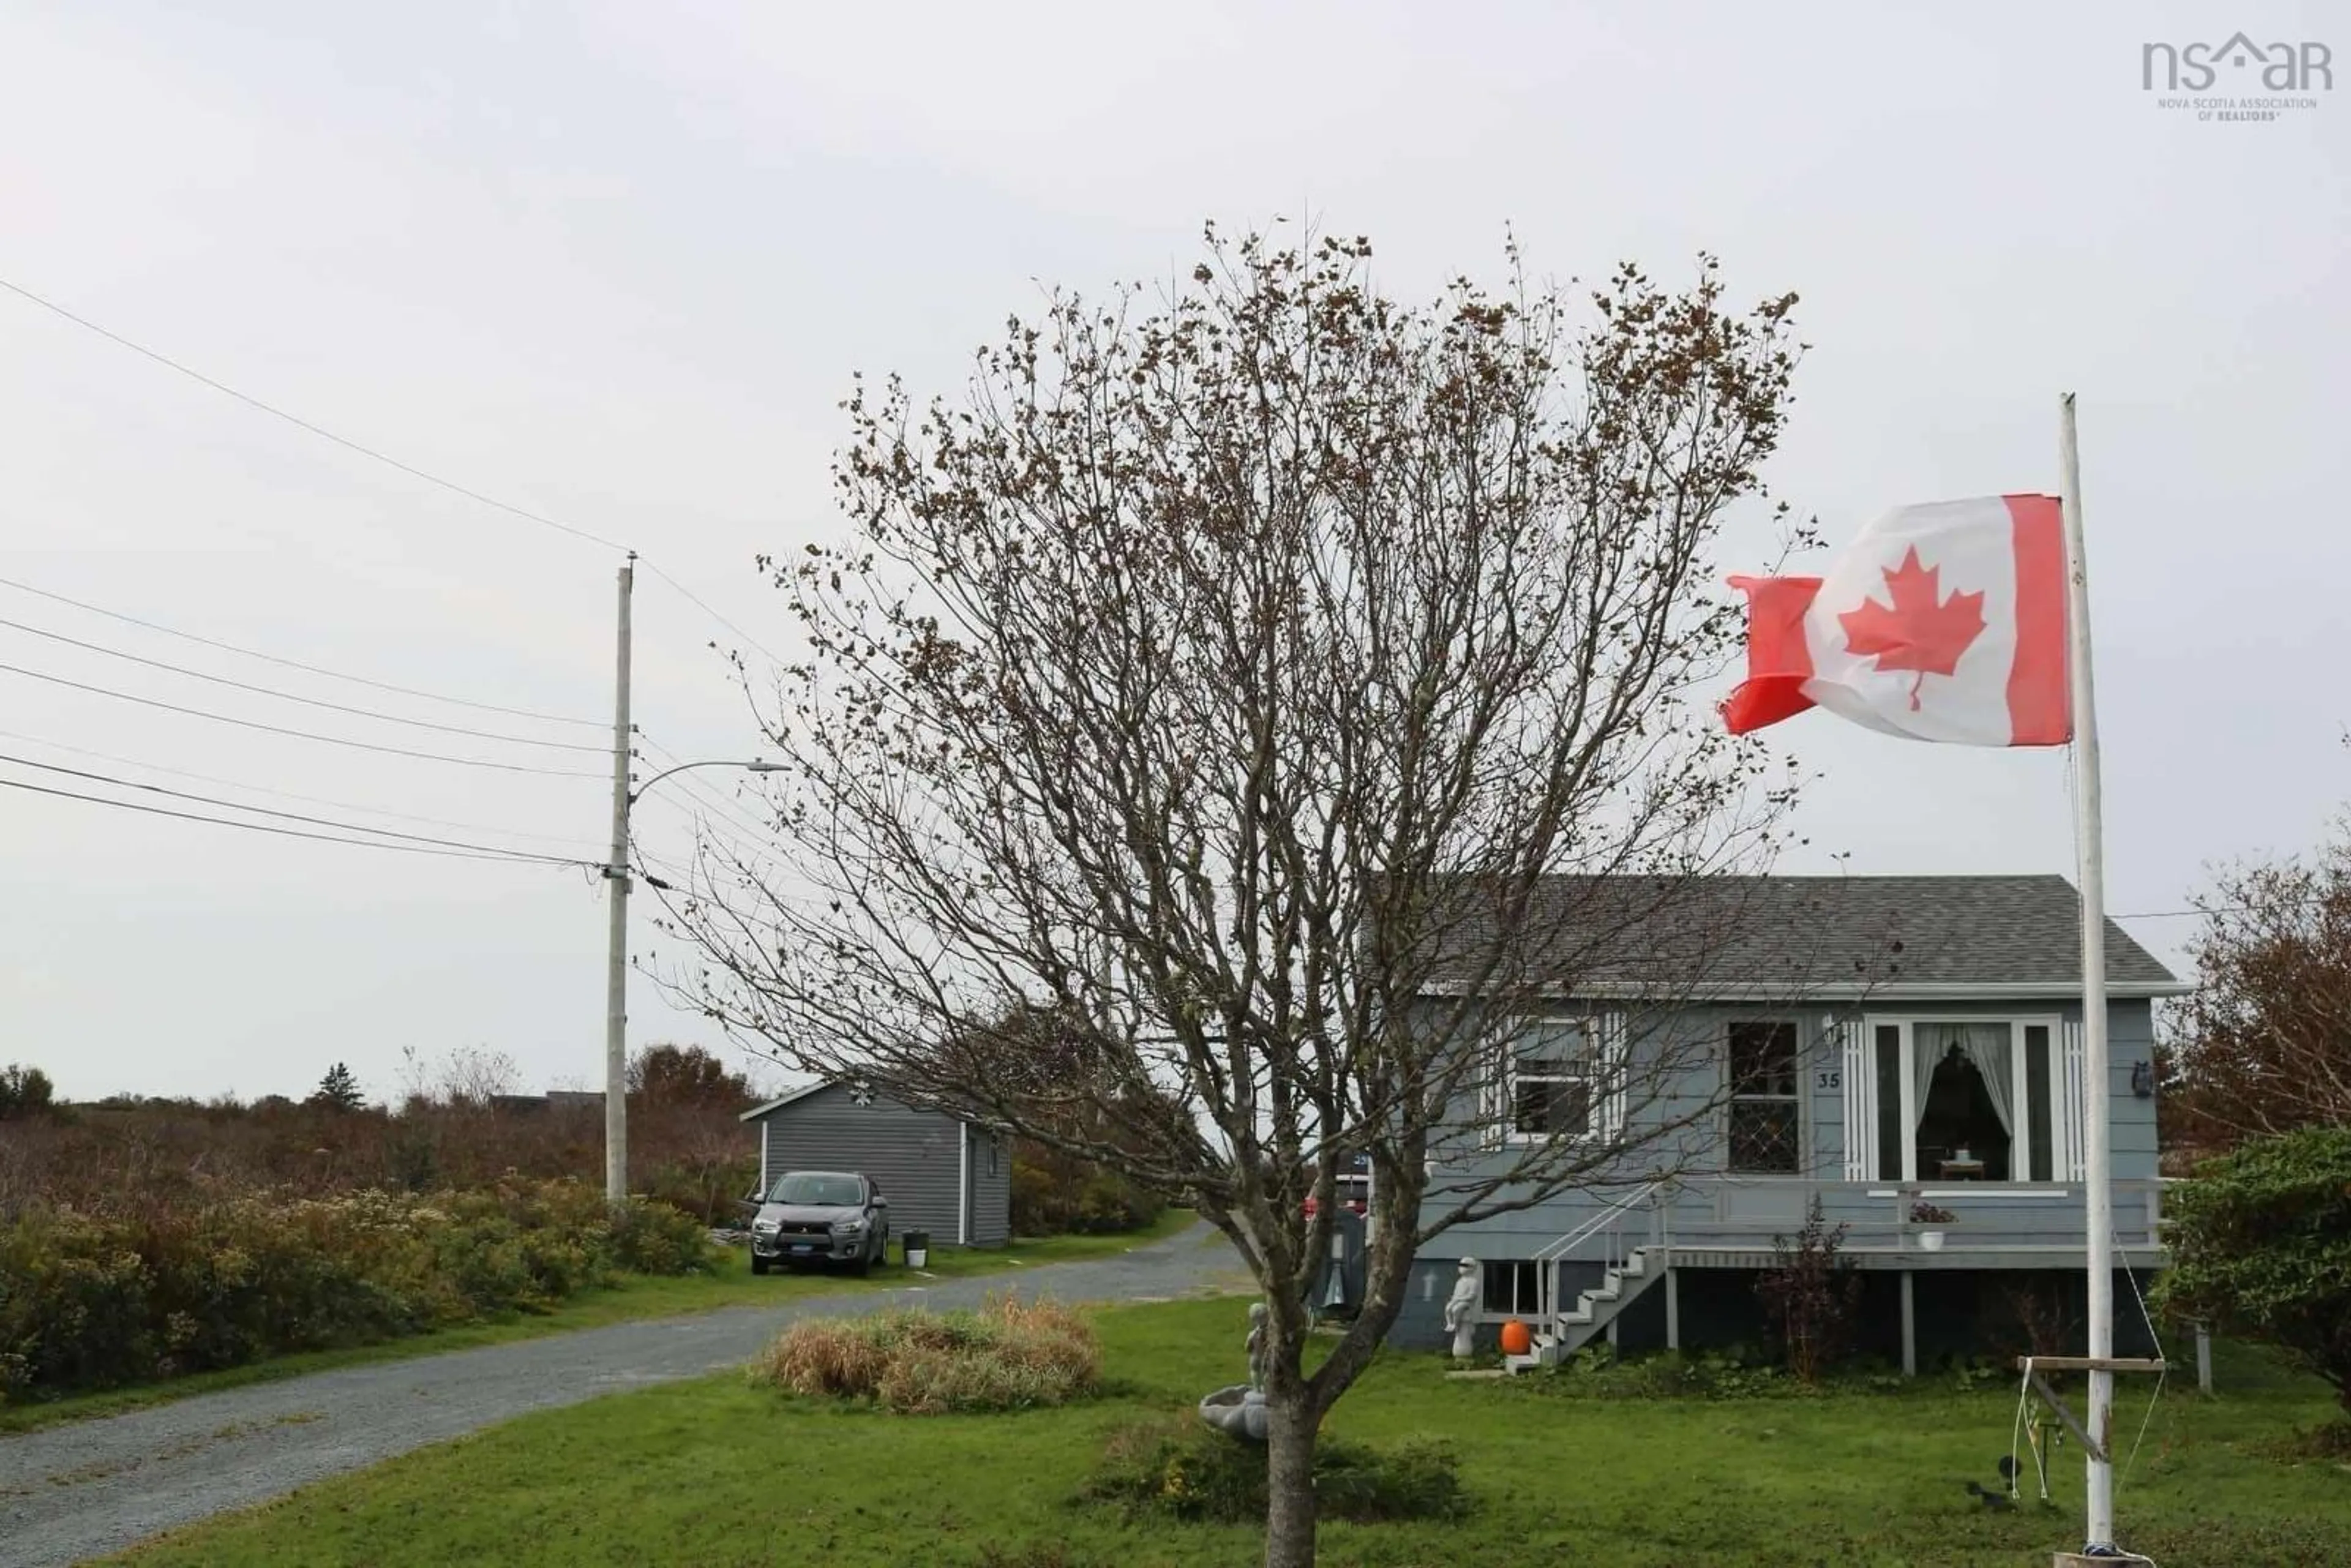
[1941,623]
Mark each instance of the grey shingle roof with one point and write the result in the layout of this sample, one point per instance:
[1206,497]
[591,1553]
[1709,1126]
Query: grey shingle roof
[1789,933]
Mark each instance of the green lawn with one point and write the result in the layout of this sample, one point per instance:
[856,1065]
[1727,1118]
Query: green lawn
[715,1472]
[633,1297]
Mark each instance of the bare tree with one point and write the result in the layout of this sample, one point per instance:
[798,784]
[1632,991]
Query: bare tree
[2264,1046]
[1279,684]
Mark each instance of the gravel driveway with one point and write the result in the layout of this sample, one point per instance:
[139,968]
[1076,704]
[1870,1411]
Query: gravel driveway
[81,1490]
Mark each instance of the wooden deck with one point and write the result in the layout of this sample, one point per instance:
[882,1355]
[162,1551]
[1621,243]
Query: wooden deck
[2024,1255]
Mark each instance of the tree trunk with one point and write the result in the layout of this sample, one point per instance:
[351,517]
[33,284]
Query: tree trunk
[1289,1481]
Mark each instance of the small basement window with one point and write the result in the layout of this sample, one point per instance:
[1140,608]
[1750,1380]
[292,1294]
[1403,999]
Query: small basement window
[1510,1288]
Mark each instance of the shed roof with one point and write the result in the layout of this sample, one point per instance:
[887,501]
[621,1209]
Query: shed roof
[785,1098]
[792,1096]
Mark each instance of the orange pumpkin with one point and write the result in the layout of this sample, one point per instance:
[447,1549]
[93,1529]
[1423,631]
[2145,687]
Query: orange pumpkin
[1517,1339]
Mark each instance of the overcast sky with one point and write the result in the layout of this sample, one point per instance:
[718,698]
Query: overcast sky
[616,263]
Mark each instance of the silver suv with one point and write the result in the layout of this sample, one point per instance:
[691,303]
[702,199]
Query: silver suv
[821,1217]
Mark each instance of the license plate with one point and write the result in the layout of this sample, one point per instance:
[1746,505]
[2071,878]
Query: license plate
[803,1246]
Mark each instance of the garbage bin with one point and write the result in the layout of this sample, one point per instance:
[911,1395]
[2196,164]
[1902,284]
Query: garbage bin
[918,1248]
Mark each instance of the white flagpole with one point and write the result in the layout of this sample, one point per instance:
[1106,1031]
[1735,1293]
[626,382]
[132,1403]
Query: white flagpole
[2090,848]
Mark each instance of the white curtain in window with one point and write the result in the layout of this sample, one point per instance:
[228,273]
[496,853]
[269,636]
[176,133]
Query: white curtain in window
[1928,1043]
[1988,1046]
[1984,1044]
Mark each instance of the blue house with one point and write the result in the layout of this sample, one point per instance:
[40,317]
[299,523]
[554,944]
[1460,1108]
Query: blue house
[1877,1043]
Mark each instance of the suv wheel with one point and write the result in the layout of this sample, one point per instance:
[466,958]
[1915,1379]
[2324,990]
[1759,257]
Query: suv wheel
[759,1264]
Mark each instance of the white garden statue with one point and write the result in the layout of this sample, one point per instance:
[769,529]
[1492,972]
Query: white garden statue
[1459,1307]
[1240,1410]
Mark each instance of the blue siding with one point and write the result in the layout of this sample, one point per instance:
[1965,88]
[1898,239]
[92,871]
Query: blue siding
[1715,1210]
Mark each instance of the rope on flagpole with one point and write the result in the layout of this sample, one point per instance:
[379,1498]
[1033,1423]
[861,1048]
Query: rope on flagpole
[2155,1338]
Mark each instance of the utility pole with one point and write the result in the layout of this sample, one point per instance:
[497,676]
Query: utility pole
[616,963]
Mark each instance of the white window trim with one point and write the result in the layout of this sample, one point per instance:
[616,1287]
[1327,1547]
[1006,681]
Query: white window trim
[1493,1314]
[1600,1109]
[2020,1086]
[963,1184]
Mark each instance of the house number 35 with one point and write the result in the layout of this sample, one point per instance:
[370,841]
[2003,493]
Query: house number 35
[1828,1078]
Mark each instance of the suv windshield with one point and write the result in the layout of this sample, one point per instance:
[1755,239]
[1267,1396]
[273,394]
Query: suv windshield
[819,1191]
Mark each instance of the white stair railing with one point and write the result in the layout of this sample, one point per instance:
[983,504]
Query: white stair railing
[1608,1224]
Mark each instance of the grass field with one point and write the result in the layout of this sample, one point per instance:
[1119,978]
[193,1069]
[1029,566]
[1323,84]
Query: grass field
[715,1472]
[632,1298]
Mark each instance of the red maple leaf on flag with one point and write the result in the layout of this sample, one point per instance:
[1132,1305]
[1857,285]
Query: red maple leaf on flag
[1922,631]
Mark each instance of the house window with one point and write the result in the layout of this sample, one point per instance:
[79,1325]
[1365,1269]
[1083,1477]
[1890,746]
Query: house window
[2041,1165]
[1550,1081]
[1510,1288]
[1891,1134]
[1970,1099]
[1766,1115]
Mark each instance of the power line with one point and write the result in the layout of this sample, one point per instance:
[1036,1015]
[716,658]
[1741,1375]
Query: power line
[510,857]
[365,451]
[288,816]
[292,697]
[655,568]
[287,794]
[729,836]
[303,734]
[2224,909]
[711,803]
[318,430]
[693,788]
[298,665]
[712,819]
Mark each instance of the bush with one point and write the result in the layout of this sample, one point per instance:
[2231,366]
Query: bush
[24,1091]
[1055,1194]
[1010,1355]
[2260,1247]
[1595,1374]
[711,1191]
[1809,1294]
[655,1237]
[99,1301]
[1181,1468]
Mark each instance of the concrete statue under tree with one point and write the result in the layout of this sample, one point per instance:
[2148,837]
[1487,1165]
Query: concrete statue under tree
[1461,1309]
[1240,1410]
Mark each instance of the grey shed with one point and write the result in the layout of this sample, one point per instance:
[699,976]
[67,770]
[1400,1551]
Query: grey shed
[942,1173]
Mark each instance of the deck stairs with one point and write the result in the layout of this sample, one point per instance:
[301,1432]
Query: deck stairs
[1577,1326]
[1560,1331]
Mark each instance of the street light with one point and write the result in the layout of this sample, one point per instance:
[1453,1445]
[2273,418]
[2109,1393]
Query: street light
[616,982]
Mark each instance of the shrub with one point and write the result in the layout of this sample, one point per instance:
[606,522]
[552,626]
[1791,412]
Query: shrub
[1595,1374]
[1010,1355]
[1810,1293]
[91,1300]
[1181,1468]
[1054,1193]
[2260,1247]
[24,1091]
[655,1237]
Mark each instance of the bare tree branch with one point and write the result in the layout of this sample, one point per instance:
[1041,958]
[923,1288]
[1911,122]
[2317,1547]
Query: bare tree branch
[1278,688]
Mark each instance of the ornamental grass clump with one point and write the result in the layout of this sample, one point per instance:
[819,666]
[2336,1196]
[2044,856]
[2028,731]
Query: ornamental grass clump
[1010,1355]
